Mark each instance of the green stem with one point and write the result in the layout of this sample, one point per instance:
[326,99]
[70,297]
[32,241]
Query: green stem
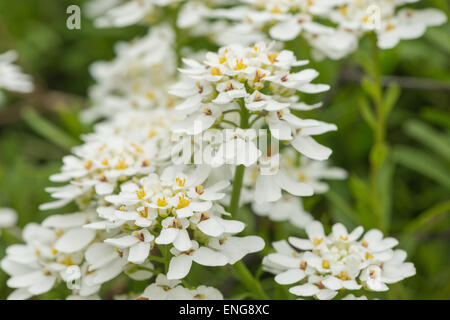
[245,275]
[164,249]
[249,281]
[379,133]
[237,186]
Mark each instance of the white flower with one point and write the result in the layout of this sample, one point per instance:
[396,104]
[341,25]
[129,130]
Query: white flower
[328,263]
[122,13]
[139,244]
[181,262]
[11,78]
[408,24]
[8,218]
[235,248]
[103,263]
[164,289]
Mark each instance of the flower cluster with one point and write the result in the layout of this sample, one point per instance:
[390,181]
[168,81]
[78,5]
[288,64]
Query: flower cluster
[241,109]
[137,79]
[258,83]
[49,250]
[328,263]
[331,27]
[130,145]
[122,13]
[180,210]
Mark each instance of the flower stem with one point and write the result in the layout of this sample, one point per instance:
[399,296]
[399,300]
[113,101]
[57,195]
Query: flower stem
[379,145]
[249,281]
[245,275]
[237,186]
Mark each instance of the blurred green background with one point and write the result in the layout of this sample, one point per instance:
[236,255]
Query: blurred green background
[36,130]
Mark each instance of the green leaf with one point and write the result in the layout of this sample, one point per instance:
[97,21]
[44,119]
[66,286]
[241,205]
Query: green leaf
[437,117]
[423,163]
[440,37]
[48,130]
[426,218]
[367,112]
[390,98]
[429,137]
[371,88]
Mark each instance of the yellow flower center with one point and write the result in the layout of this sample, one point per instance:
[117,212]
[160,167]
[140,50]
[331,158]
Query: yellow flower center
[240,64]
[301,177]
[216,71]
[88,165]
[161,202]
[343,10]
[343,275]
[144,213]
[275,9]
[199,189]
[180,182]
[303,265]
[182,202]
[140,194]
[152,133]
[317,241]
[137,148]
[121,165]
[325,264]
[272,57]
[389,26]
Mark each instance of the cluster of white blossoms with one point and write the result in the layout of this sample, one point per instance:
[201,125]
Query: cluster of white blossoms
[256,82]
[137,79]
[179,210]
[11,77]
[49,250]
[130,145]
[143,213]
[122,13]
[384,17]
[338,261]
[331,27]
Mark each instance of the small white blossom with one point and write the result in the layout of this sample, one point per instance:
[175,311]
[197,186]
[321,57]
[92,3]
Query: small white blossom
[11,78]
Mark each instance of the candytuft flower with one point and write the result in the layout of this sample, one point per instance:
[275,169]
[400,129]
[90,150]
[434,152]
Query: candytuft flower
[328,263]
